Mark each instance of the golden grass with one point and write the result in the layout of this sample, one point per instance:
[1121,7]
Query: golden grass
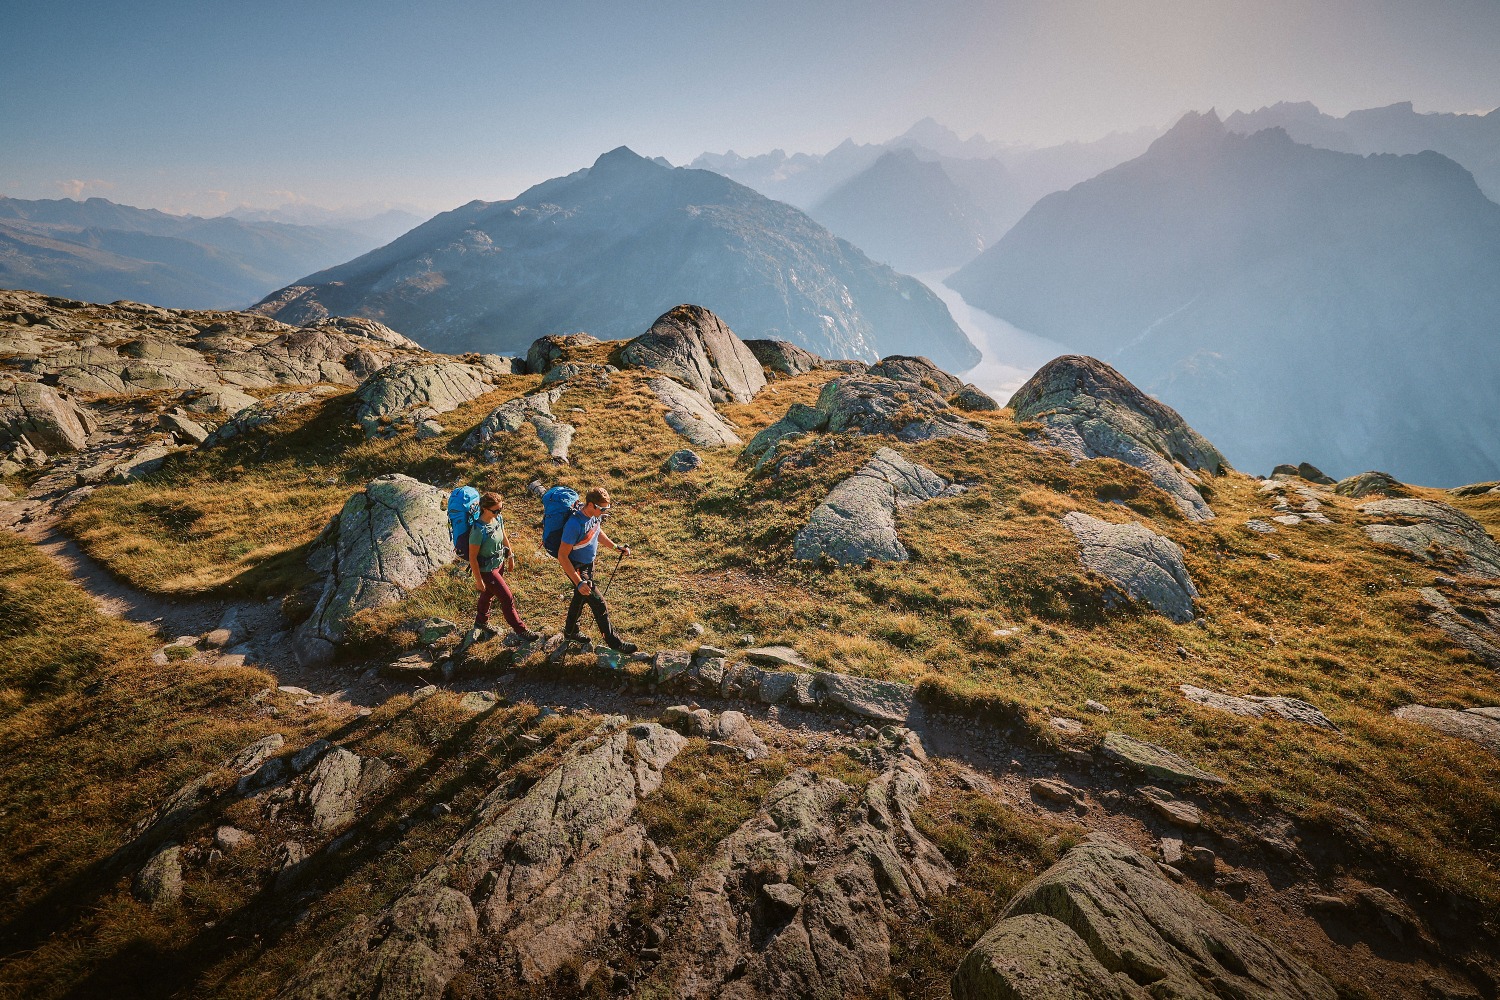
[993,610]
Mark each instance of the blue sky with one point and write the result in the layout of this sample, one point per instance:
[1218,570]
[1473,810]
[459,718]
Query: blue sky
[203,106]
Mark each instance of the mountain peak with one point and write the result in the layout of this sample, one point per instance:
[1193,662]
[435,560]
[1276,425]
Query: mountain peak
[1193,130]
[621,157]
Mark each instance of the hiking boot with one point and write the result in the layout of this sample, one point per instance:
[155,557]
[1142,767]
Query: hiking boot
[620,645]
[526,635]
[485,633]
[576,637]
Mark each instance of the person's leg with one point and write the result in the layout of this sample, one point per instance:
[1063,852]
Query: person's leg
[496,587]
[482,615]
[575,606]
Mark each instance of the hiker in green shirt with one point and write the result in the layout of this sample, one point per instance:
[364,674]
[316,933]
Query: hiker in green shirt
[489,556]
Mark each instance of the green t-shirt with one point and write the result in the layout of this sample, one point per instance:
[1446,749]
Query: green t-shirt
[489,538]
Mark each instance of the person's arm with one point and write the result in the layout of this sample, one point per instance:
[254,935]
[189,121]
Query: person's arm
[611,542]
[474,565]
[569,570]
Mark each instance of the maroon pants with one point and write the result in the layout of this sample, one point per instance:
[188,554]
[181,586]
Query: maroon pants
[496,589]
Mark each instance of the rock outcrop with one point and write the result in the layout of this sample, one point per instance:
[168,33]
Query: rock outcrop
[857,521]
[48,419]
[783,357]
[693,416]
[1474,624]
[1146,566]
[1258,706]
[532,884]
[265,411]
[1106,922]
[417,389]
[340,785]
[868,404]
[695,347]
[798,901]
[509,417]
[1157,763]
[388,539]
[1367,483]
[1089,410]
[547,351]
[1424,527]
[1477,725]
[916,371]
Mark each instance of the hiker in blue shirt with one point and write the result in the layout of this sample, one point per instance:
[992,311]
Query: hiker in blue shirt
[580,544]
[489,557]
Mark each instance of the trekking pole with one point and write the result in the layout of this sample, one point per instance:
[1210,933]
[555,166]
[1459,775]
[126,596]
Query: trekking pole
[612,576]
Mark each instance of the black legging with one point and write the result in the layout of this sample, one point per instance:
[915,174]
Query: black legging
[594,601]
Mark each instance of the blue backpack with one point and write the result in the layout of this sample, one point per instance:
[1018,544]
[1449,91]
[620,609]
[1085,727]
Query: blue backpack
[558,504]
[463,514]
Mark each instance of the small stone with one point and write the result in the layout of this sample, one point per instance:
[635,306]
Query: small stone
[696,630]
[777,656]
[683,460]
[1069,727]
[289,689]
[1052,790]
[1094,706]
[783,898]
[159,882]
[1199,859]
[230,839]
[1171,851]
[216,639]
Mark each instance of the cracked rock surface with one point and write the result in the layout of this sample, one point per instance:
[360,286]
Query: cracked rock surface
[1477,725]
[1474,623]
[389,538]
[1293,709]
[857,521]
[783,357]
[797,901]
[49,419]
[692,416]
[534,409]
[1417,525]
[870,404]
[532,884]
[266,411]
[1091,411]
[695,347]
[1146,566]
[416,389]
[1105,922]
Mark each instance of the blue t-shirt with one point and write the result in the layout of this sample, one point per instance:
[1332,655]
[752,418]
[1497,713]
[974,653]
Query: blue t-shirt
[583,534]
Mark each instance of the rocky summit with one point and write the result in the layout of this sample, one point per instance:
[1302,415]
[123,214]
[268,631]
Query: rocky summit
[607,248]
[918,696]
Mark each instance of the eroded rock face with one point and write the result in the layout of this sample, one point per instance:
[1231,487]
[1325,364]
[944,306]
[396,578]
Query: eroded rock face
[1105,922]
[1418,525]
[50,420]
[341,783]
[693,416]
[417,389]
[534,882]
[534,409]
[796,902]
[1478,725]
[389,538]
[857,521]
[695,347]
[799,419]
[1091,411]
[1146,566]
[866,404]
[782,357]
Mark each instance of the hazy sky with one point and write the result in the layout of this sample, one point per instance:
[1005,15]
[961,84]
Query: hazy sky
[202,106]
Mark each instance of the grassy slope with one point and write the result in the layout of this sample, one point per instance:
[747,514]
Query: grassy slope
[1334,621]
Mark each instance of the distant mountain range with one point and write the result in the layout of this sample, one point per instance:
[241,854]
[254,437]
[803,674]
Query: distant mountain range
[1293,303]
[101,251]
[377,224]
[908,213]
[997,183]
[608,249]
[1473,140]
